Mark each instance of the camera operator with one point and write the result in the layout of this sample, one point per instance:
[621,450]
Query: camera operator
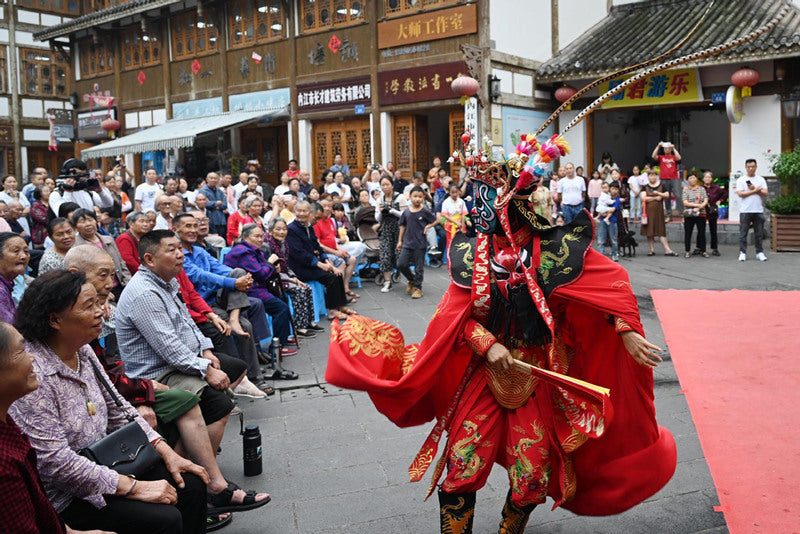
[76,184]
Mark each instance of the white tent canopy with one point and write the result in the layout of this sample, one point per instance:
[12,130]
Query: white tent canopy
[178,133]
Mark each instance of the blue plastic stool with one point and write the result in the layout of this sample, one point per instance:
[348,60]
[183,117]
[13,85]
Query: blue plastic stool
[318,291]
[222,253]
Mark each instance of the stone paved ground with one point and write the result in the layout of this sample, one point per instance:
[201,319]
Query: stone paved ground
[333,464]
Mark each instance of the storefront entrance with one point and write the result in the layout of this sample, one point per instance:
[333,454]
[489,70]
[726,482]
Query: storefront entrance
[701,134]
[270,146]
[418,138]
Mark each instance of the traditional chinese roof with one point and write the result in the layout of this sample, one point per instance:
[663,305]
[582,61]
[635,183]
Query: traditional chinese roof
[632,33]
[133,7]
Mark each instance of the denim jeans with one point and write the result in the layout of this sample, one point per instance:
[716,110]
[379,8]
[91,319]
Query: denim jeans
[745,220]
[570,212]
[607,231]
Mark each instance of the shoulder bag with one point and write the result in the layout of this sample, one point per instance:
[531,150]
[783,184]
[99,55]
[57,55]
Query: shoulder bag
[127,450]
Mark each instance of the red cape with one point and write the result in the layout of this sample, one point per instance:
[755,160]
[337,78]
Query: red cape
[415,384]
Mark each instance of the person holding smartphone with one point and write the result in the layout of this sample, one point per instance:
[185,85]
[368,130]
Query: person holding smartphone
[752,189]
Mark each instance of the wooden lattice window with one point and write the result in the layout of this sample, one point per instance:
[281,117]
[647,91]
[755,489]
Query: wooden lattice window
[350,138]
[404,7]
[194,36]
[66,7]
[96,59]
[141,48]
[324,14]
[255,21]
[44,73]
[322,152]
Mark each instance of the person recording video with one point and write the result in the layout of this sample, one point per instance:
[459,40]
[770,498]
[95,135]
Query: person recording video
[76,184]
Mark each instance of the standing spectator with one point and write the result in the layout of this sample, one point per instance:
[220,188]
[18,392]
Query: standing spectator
[695,200]
[14,258]
[454,211]
[606,166]
[217,204]
[387,212]
[126,176]
[355,189]
[39,215]
[128,241]
[238,218]
[653,196]
[284,185]
[187,196]
[254,169]
[170,188]
[62,234]
[145,196]
[400,183]
[292,171]
[327,179]
[752,189]
[607,225]
[543,202]
[85,222]
[339,166]
[571,193]
[634,181]
[35,179]
[10,194]
[671,183]
[227,188]
[595,189]
[554,179]
[239,188]
[310,262]
[58,316]
[305,181]
[411,242]
[342,188]
[715,196]
[122,204]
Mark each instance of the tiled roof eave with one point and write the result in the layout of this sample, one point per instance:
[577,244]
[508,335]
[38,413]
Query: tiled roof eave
[100,17]
[726,59]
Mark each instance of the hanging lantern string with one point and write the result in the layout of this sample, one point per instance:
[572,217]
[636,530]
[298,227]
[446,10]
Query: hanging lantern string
[621,72]
[784,9]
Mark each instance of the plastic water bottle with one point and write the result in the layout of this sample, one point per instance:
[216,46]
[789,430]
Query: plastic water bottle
[251,449]
[276,350]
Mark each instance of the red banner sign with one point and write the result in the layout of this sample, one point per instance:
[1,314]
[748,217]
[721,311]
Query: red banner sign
[419,84]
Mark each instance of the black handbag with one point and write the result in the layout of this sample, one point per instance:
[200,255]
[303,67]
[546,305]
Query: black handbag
[126,450]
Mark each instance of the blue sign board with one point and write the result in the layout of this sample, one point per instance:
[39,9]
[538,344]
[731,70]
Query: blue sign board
[361,109]
[261,100]
[197,108]
[718,98]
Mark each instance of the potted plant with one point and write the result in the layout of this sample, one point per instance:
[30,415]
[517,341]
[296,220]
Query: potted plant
[785,208]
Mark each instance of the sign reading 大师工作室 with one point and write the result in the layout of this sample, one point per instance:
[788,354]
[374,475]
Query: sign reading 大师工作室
[668,87]
[441,24]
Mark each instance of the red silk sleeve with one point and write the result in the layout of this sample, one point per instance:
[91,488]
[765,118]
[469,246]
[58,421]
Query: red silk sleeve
[477,337]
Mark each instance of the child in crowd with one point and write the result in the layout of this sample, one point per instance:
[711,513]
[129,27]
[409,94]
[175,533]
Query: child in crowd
[594,191]
[604,204]
[454,212]
[635,188]
[559,219]
[607,230]
[411,243]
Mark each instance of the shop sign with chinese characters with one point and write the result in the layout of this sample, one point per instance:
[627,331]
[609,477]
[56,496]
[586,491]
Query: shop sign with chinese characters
[339,94]
[439,24]
[668,87]
[419,84]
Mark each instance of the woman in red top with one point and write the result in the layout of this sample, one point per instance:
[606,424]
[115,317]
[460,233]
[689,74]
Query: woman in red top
[241,217]
[128,242]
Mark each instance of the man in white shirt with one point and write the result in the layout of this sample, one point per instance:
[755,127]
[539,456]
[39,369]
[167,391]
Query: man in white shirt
[571,193]
[74,174]
[145,196]
[751,189]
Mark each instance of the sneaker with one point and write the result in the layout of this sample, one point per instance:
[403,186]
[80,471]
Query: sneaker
[410,287]
[302,332]
[316,327]
[288,351]
[761,256]
[715,252]
[742,256]
[434,252]
[417,293]
[387,286]
[615,257]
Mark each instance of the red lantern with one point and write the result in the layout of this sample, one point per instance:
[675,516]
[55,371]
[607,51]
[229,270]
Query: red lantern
[465,86]
[745,78]
[565,92]
[110,125]
[465,137]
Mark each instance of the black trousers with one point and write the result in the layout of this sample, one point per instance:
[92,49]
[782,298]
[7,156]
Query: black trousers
[712,231]
[689,223]
[126,516]
[335,296]
[417,257]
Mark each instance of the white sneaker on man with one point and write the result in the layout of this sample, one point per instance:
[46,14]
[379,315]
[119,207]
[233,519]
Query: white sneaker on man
[742,256]
[761,256]
[387,286]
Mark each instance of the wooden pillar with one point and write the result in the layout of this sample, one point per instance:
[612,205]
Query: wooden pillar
[165,64]
[14,84]
[222,39]
[292,8]
[554,27]
[484,31]
[377,138]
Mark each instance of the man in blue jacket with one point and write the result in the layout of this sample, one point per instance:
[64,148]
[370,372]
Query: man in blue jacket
[217,206]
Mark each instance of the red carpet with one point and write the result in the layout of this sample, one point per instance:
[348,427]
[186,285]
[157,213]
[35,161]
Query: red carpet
[737,355]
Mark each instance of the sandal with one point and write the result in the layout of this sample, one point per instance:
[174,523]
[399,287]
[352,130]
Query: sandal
[673,254]
[216,521]
[651,253]
[687,255]
[336,314]
[222,501]
[352,294]
[705,254]
[348,311]
[285,374]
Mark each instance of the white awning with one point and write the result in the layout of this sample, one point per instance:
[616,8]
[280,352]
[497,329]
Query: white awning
[178,133]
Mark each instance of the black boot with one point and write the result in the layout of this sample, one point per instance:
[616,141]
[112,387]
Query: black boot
[456,511]
[514,517]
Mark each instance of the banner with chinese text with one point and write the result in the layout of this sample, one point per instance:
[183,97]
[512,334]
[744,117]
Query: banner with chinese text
[668,87]
[419,84]
[424,27]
